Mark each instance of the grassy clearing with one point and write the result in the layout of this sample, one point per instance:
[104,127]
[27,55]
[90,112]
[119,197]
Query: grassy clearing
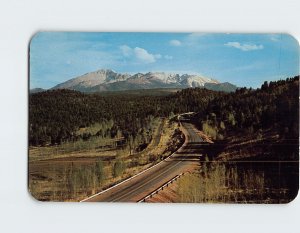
[91,146]
[97,144]
[78,174]
[69,182]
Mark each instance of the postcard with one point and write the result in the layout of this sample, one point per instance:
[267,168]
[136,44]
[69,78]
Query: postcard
[163,117]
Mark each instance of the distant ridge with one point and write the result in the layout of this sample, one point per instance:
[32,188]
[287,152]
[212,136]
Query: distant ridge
[226,87]
[36,90]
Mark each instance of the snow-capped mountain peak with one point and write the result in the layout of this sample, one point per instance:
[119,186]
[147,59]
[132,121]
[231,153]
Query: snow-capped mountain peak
[109,80]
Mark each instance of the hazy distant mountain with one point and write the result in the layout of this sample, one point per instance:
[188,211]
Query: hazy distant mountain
[36,90]
[108,80]
[87,81]
[227,87]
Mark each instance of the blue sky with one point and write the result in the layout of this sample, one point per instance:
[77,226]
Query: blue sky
[241,59]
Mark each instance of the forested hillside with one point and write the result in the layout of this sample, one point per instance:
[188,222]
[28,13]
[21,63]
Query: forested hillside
[55,116]
[275,105]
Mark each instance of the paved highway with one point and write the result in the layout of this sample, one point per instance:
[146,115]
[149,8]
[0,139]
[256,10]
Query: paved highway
[141,185]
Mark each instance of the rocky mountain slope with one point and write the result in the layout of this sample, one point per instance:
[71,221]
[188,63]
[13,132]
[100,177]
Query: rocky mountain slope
[109,80]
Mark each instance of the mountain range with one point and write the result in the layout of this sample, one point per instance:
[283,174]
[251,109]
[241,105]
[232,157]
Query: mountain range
[108,80]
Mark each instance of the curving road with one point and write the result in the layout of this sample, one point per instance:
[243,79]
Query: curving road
[141,185]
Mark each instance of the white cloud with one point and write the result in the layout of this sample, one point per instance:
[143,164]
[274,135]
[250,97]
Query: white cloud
[244,47]
[175,42]
[126,50]
[143,55]
[168,57]
[157,56]
[139,54]
[275,37]
[196,35]
[194,38]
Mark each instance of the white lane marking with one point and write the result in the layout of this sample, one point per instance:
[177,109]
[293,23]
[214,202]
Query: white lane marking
[160,188]
[118,198]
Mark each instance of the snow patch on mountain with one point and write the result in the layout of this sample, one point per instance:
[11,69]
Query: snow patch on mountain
[109,80]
